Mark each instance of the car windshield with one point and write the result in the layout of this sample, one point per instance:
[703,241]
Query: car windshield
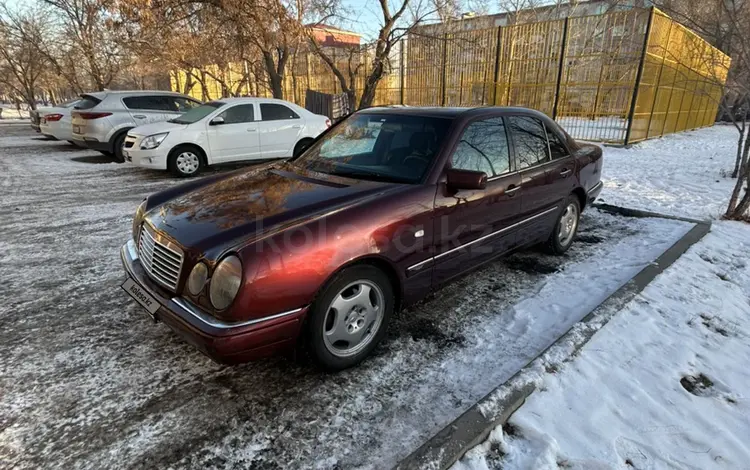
[383,147]
[196,114]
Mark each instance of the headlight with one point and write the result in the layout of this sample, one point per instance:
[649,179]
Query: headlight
[153,141]
[197,279]
[138,219]
[225,283]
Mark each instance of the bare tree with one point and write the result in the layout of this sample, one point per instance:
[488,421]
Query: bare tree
[84,44]
[21,63]
[395,24]
[725,24]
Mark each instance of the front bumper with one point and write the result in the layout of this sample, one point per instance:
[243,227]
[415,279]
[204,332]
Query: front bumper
[154,158]
[227,343]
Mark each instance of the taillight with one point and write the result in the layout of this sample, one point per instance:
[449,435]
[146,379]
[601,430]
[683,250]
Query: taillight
[328,123]
[93,115]
[53,117]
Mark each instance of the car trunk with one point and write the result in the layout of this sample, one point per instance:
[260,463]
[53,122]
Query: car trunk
[83,112]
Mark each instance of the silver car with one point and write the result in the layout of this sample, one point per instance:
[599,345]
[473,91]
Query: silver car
[101,120]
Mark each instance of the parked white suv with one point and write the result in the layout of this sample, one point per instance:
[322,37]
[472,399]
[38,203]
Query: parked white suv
[228,130]
[102,120]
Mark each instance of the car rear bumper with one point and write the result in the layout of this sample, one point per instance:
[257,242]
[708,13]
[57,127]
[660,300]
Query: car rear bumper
[593,193]
[91,144]
[226,343]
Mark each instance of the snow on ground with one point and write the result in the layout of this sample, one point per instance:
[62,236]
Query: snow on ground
[664,385]
[681,174]
[10,114]
[88,382]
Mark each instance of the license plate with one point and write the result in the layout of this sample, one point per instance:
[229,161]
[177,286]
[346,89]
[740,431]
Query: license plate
[141,296]
[76,129]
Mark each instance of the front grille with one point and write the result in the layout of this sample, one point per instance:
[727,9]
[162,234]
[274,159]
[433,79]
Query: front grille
[129,141]
[161,258]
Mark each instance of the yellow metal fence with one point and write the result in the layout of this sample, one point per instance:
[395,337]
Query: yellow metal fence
[620,77]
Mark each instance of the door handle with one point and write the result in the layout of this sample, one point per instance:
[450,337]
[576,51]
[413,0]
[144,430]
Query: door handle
[512,190]
[252,130]
[565,172]
[139,116]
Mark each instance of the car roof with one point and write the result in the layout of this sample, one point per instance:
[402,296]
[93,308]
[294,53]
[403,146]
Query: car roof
[452,112]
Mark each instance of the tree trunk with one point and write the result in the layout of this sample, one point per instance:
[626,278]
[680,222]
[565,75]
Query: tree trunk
[371,85]
[738,160]
[737,211]
[275,73]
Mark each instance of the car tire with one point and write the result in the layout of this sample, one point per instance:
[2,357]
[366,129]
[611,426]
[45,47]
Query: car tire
[301,147]
[566,227]
[117,148]
[185,161]
[342,339]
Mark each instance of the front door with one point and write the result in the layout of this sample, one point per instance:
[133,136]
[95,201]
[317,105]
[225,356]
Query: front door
[472,227]
[280,129]
[237,137]
[538,201]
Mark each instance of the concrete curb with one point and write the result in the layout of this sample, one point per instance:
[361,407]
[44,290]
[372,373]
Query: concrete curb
[472,428]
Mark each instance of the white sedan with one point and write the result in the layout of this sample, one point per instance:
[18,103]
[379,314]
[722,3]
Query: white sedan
[55,122]
[227,130]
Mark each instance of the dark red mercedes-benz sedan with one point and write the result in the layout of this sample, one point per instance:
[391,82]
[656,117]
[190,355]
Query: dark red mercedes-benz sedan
[380,210]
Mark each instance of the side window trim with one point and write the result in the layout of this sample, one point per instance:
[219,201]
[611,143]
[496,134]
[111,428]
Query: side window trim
[560,139]
[549,152]
[508,143]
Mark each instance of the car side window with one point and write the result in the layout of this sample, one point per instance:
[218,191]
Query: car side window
[556,147]
[483,147]
[153,103]
[177,104]
[238,114]
[530,139]
[276,112]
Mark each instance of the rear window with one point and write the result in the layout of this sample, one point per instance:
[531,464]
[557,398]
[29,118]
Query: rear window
[87,102]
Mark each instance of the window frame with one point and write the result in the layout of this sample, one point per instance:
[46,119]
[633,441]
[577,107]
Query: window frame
[562,140]
[260,109]
[141,97]
[546,138]
[509,143]
[226,108]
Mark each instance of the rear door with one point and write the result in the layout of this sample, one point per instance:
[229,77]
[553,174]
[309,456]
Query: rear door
[538,201]
[237,137]
[145,109]
[475,226]
[562,170]
[280,129]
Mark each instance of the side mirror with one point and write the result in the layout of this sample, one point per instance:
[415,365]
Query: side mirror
[216,121]
[465,179]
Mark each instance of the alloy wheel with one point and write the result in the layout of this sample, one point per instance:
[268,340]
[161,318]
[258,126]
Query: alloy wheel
[353,318]
[568,224]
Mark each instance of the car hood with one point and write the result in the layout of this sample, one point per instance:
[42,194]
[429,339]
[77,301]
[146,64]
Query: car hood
[156,128]
[233,211]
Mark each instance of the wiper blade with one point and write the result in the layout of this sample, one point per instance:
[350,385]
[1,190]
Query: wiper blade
[365,174]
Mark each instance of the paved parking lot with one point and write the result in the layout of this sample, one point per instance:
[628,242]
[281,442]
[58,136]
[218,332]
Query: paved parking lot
[88,382]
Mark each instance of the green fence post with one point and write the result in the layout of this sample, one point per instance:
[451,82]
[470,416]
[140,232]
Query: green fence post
[445,67]
[639,75]
[561,65]
[497,64]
